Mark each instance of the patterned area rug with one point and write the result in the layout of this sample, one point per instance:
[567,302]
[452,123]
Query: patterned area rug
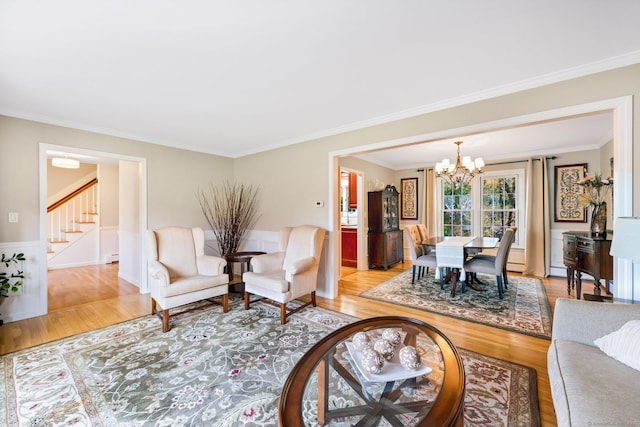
[524,307]
[211,368]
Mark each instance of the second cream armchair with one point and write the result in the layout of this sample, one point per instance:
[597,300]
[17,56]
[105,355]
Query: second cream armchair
[290,273]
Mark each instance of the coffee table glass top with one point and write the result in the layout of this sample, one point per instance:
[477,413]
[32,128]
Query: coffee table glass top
[330,386]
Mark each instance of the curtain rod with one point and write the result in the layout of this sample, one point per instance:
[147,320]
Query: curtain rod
[504,163]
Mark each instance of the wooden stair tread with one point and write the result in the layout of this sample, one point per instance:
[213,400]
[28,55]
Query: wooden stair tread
[89,213]
[85,222]
[58,241]
[72,231]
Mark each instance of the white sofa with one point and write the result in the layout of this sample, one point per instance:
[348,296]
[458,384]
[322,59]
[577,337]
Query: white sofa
[588,387]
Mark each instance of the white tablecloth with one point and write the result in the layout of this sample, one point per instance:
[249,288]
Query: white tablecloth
[450,253]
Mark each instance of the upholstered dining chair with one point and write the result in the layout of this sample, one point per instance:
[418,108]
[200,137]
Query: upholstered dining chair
[180,273]
[493,265]
[291,272]
[422,262]
[424,235]
[505,277]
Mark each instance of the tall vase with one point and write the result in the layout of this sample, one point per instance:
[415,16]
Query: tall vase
[599,219]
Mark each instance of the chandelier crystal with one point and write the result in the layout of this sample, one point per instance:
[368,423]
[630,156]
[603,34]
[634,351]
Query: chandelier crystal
[460,172]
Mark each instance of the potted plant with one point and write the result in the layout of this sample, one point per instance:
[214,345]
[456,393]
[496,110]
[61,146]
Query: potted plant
[231,209]
[10,281]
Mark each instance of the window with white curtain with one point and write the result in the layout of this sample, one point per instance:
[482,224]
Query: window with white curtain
[499,209]
[457,210]
[486,206]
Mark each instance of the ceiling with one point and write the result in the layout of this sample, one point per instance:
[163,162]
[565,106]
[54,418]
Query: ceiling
[239,77]
[548,138]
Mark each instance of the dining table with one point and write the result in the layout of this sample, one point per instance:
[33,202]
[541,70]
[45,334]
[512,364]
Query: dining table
[466,245]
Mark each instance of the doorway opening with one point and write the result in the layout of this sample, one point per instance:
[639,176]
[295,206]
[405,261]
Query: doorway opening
[117,235]
[622,126]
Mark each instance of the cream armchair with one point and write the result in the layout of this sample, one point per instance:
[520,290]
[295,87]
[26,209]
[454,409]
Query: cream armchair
[290,273]
[180,273]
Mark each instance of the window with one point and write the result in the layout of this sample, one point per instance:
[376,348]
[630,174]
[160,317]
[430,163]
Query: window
[457,210]
[499,205]
[490,203]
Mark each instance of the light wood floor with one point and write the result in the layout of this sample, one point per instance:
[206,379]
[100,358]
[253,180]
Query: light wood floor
[86,298]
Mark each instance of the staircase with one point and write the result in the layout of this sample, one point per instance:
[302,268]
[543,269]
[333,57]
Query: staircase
[72,228]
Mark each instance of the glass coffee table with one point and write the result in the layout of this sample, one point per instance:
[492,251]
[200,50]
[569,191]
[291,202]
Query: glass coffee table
[330,386]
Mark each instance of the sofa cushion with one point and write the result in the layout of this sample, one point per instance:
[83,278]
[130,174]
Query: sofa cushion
[582,375]
[623,344]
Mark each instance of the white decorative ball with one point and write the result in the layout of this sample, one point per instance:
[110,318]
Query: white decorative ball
[385,348]
[392,336]
[372,361]
[409,358]
[361,341]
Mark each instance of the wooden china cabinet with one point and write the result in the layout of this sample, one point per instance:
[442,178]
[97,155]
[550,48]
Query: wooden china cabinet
[385,236]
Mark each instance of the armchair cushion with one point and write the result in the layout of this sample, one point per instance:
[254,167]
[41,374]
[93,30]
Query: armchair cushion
[274,281]
[185,285]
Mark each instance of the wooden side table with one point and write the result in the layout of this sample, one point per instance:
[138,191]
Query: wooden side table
[244,259]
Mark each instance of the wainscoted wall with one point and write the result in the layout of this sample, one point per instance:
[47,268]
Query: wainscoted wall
[31,301]
[267,241]
[557,265]
[109,246]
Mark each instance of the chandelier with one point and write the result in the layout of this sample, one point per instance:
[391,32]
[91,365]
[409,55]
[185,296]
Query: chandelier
[462,171]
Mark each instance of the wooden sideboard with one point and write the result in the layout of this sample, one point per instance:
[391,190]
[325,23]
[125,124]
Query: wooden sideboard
[584,253]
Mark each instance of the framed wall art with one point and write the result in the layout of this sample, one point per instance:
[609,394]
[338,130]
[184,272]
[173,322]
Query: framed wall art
[567,191]
[409,198]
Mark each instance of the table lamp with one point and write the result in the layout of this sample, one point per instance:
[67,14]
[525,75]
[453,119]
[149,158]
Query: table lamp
[626,238]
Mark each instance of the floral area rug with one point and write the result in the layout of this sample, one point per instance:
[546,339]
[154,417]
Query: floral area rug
[210,369]
[524,307]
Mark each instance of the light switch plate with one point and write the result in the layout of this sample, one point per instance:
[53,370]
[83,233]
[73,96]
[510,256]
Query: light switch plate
[13,216]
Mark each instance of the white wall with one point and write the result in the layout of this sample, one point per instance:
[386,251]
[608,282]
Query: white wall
[130,235]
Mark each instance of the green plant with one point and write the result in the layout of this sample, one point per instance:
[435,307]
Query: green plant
[11,282]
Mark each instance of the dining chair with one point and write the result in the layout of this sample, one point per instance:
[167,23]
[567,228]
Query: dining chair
[493,265]
[423,262]
[424,235]
[505,277]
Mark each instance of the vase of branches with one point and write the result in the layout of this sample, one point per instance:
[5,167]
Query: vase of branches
[596,190]
[231,209]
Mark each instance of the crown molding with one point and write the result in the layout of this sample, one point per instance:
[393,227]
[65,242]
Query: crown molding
[543,80]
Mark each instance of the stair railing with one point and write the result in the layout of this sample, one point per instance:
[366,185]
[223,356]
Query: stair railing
[66,215]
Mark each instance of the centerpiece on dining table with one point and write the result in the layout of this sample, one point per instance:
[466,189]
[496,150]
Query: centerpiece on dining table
[596,190]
